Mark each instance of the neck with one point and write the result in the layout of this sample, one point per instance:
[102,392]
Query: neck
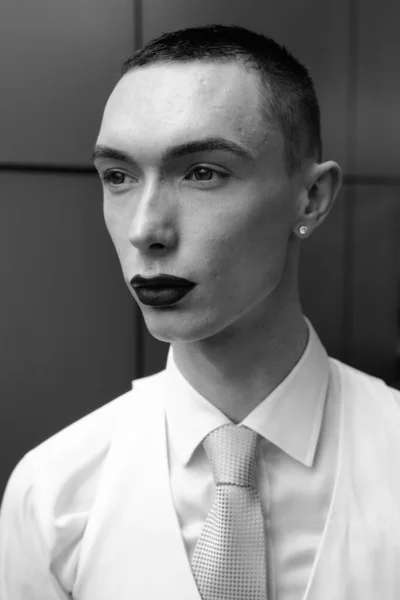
[240,366]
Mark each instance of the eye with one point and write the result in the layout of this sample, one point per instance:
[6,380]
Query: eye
[115,178]
[205,174]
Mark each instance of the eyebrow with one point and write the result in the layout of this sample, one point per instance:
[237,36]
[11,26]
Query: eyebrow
[208,144]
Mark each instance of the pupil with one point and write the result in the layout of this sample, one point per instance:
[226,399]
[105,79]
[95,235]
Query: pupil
[203,171]
[117,177]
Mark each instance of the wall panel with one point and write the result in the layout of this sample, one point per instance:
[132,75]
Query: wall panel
[377,120]
[375,276]
[58,64]
[66,320]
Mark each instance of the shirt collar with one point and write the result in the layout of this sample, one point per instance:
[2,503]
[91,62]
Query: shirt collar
[290,417]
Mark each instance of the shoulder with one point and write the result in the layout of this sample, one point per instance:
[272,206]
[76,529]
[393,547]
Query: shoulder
[51,491]
[91,435]
[49,469]
[360,387]
[71,460]
[82,440]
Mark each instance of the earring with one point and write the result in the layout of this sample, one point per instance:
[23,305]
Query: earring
[303,230]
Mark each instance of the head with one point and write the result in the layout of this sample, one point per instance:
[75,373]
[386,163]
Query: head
[210,156]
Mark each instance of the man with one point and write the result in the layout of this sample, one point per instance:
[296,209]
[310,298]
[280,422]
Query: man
[253,466]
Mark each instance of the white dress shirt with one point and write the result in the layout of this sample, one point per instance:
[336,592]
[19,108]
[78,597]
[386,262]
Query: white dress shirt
[298,425]
[49,496]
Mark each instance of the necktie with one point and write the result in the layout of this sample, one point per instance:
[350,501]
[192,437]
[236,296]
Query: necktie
[229,561]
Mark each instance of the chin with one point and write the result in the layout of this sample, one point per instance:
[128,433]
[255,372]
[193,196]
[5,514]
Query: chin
[180,328]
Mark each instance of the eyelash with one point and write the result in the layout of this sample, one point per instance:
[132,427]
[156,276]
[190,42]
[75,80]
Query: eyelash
[106,177]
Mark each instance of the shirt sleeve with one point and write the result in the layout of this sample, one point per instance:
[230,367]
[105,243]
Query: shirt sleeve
[24,556]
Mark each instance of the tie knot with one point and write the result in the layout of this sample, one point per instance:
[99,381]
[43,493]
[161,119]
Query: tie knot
[231,450]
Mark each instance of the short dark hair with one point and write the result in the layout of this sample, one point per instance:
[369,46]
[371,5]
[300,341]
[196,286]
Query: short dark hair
[289,101]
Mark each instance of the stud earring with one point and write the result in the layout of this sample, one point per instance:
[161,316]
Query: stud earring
[303,230]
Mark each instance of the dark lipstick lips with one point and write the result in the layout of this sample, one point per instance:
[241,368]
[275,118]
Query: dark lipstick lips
[160,281]
[162,296]
[162,290]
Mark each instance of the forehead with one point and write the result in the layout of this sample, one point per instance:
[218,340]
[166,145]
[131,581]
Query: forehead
[169,103]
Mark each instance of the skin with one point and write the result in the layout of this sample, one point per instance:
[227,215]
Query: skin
[240,331]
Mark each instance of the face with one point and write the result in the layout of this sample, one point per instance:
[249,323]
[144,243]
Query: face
[219,218]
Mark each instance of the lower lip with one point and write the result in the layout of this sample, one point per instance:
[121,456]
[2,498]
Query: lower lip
[162,296]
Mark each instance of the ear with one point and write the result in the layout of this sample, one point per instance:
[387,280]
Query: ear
[321,186]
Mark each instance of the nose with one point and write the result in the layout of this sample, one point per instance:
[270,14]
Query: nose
[153,224]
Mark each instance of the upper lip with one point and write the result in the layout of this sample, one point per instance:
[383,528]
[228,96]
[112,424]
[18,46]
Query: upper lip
[159,281]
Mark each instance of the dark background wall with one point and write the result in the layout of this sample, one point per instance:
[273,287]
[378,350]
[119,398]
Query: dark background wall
[71,337]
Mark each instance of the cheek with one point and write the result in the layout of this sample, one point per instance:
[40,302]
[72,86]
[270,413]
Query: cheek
[249,242]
